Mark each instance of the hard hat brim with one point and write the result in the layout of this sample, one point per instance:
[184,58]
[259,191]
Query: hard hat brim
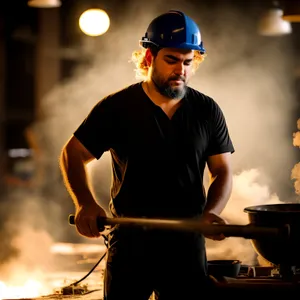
[148,43]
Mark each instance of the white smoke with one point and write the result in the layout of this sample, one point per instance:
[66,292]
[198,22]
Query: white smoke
[247,191]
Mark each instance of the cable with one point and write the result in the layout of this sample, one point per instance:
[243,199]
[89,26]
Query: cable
[94,267]
[70,286]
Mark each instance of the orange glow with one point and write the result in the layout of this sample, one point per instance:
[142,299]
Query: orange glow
[30,289]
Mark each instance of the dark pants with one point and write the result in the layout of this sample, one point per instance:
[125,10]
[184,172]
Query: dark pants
[171,264]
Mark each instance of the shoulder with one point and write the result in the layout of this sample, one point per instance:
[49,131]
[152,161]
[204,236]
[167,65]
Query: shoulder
[117,101]
[200,101]
[120,100]
[123,94]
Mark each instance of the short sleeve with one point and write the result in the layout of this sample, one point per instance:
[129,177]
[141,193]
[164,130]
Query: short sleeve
[97,129]
[220,141]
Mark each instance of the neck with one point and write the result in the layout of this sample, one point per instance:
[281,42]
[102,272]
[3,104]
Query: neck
[168,105]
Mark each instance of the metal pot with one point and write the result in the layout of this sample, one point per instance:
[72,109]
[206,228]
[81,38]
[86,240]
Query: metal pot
[221,268]
[277,251]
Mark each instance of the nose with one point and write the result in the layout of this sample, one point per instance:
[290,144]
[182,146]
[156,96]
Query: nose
[180,69]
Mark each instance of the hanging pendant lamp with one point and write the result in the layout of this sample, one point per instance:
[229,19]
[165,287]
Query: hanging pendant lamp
[44,3]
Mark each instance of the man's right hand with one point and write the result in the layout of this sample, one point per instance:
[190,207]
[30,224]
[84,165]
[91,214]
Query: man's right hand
[86,220]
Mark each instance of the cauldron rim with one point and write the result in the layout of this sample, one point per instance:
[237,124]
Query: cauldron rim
[274,208]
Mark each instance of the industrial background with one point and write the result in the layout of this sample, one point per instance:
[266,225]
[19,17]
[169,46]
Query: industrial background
[52,73]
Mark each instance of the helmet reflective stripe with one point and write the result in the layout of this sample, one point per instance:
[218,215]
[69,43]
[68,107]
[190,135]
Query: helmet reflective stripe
[173,29]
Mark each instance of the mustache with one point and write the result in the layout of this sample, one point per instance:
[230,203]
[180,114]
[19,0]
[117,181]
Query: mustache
[182,78]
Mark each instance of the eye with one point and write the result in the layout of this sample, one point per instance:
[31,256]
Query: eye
[170,61]
[188,63]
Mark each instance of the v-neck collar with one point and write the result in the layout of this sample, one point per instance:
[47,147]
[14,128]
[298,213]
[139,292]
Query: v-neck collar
[158,108]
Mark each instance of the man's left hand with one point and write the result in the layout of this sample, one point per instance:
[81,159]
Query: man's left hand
[211,218]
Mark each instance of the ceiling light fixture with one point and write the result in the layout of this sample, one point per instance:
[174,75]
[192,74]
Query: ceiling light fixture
[44,3]
[272,24]
[94,22]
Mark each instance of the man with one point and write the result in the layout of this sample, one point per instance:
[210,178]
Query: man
[161,134]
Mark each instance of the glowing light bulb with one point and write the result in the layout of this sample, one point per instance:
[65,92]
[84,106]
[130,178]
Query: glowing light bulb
[94,22]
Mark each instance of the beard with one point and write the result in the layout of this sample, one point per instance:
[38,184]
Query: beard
[165,88]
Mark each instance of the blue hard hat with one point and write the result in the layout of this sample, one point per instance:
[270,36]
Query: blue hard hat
[173,29]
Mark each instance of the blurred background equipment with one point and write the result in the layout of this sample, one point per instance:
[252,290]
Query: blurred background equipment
[291,11]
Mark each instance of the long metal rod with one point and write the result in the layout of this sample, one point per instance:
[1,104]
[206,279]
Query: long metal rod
[249,231]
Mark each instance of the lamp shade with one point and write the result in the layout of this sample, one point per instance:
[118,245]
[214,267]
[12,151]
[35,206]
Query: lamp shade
[44,3]
[272,24]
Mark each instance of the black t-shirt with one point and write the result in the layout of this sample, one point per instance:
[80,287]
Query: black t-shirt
[157,162]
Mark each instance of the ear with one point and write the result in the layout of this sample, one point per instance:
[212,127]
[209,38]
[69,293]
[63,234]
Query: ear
[148,57]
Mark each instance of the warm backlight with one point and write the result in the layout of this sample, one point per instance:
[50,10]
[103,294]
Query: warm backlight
[94,22]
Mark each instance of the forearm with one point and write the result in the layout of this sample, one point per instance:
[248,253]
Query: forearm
[219,192]
[75,176]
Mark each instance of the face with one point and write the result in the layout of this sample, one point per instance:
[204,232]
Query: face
[171,70]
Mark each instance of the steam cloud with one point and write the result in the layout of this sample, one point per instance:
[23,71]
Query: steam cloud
[242,73]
